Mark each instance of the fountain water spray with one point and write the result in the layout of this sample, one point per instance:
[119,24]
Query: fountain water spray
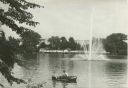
[90,39]
[90,47]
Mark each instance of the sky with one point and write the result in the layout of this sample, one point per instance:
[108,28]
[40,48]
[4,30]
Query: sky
[77,17]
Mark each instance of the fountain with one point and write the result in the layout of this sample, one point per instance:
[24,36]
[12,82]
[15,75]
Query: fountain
[93,48]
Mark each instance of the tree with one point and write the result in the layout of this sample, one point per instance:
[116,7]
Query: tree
[16,13]
[57,43]
[54,42]
[30,41]
[72,44]
[64,43]
[78,46]
[7,60]
[42,45]
[115,44]
[14,44]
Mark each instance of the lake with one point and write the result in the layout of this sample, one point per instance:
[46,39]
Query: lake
[100,74]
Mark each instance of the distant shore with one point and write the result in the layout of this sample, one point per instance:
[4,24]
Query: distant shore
[71,51]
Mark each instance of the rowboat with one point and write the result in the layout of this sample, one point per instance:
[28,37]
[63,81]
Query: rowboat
[67,79]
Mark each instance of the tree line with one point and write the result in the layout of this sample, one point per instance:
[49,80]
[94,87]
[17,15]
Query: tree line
[61,43]
[116,44]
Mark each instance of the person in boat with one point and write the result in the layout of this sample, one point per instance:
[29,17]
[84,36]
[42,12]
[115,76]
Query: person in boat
[65,74]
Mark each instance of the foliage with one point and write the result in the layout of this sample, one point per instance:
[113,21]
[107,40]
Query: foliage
[7,60]
[14,44]
[115,44]
[42,45]
[30,41]
[72,44]
[64,43]
[16,13]
[57,43]
[54,42]
[6,54]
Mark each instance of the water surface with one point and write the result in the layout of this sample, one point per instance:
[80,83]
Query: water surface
[104,73]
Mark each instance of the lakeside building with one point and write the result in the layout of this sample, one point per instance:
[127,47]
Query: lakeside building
[44,41]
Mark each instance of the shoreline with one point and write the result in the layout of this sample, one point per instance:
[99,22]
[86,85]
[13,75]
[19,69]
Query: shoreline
[72,51]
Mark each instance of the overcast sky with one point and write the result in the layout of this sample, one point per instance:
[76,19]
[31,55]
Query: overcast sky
[73,18]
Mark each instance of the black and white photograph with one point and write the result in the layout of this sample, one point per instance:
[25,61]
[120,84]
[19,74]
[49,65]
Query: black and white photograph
[63,43]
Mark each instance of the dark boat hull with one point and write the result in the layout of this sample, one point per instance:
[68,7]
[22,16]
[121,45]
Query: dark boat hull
[69,79]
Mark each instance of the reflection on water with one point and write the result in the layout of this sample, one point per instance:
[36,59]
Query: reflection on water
[116,73]
[57,63]
[104,74]
[63,84]
[114,67]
